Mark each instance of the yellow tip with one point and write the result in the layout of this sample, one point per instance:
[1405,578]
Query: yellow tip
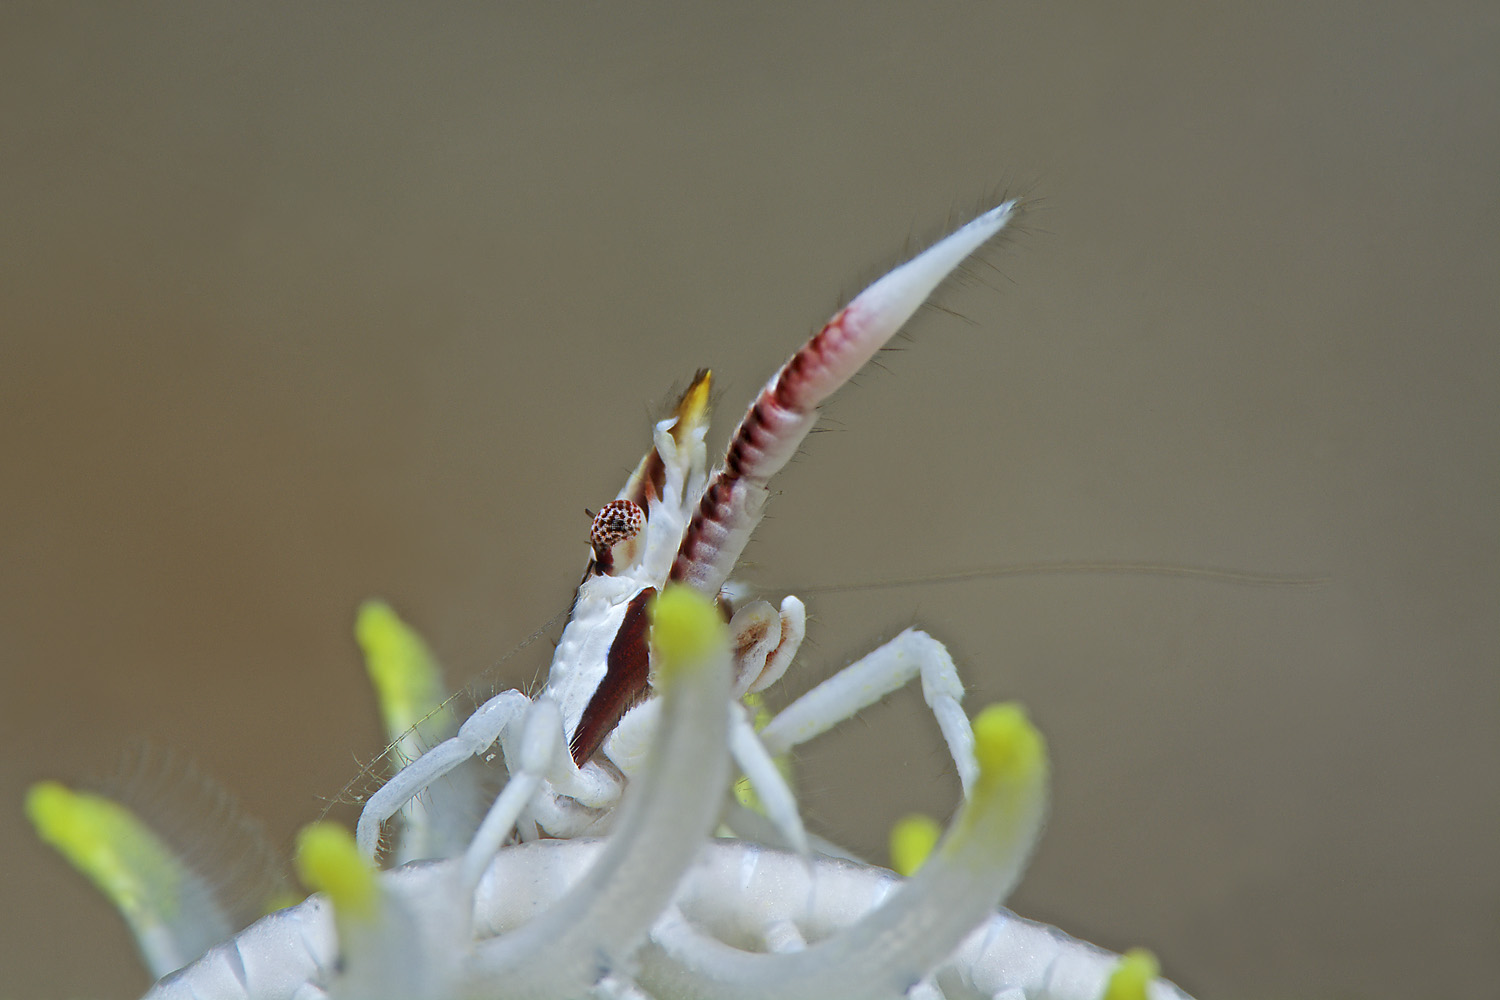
[330,863]
[407,681]
[1006,744]
[1134,974]
[912,840]
[760,715]
[686,629]
[280,900]
[111,846]
[692,409]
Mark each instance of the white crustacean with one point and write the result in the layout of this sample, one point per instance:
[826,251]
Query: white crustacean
[673,522]
[601,870]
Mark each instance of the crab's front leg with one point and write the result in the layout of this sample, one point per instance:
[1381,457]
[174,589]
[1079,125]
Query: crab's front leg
[478,733]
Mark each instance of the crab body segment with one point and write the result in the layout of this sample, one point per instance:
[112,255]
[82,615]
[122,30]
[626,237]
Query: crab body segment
[674,522]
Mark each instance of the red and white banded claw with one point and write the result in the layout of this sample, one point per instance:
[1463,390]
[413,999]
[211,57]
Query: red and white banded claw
[787,408]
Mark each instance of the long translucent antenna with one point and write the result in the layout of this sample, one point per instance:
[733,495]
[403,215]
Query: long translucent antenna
[1063,567]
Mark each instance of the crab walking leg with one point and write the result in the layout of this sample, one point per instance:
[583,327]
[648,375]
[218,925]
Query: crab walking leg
[665,816]
[414,706]
[911,654]
[541,739]
[475,736]
[787,407]
[897,944]
[769,784]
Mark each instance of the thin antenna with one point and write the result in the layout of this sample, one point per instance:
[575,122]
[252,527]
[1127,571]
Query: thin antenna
[1207,574]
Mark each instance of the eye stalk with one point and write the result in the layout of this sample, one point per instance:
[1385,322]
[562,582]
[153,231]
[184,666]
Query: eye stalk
[617,524]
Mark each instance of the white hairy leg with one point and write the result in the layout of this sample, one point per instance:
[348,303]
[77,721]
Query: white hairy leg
[911,654]
[541,743]
[475,736]
[566,802]
[758,765]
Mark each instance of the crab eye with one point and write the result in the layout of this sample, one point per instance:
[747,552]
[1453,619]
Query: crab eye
[617,521]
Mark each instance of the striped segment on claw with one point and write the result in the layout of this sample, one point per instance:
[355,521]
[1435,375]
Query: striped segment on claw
[731,503]
[665,816]
[897,944]
[787,408]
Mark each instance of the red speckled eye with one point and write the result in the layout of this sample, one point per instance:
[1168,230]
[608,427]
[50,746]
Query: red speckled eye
[617,521]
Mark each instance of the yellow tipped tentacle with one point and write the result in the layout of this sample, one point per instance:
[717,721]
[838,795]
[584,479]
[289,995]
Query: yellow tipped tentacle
[386,946]
[909,933]
[912,841]
[1011,787]
[170,909]
[408,683]
[1133,976]
[686,629]
[329,862]
[128,863]
[667,811]
[1006,744]
[414,706]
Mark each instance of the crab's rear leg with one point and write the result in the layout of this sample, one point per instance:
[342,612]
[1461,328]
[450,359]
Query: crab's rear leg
[910,655]
[787,407]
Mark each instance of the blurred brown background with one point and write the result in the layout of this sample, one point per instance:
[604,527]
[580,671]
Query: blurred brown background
[299,306]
